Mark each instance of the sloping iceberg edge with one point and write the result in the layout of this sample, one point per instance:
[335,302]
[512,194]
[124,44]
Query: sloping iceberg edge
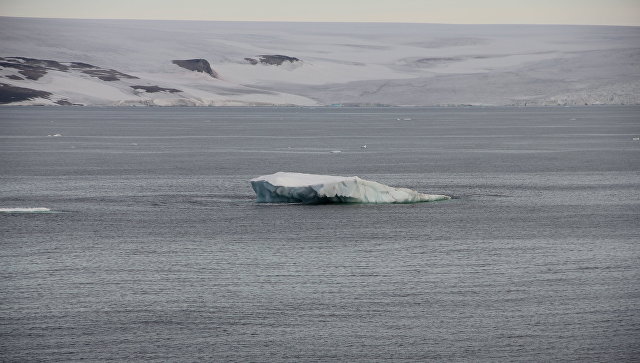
[285,187]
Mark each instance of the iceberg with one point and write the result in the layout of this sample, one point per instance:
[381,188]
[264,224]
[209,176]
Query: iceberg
[285,187]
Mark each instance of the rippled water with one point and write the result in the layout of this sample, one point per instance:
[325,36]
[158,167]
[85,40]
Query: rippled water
[153,247]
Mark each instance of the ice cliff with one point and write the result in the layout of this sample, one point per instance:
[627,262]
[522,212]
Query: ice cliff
[285,187]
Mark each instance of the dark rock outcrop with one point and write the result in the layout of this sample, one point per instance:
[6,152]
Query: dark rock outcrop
[272,59]
[437,60]
[154,89]
[108,75]
[34,69]
[81,65]
[9,94]
[196,65]
[42,63]
[30,69]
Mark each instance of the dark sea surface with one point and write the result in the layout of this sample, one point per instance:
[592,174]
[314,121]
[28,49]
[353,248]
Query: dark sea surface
[155,249]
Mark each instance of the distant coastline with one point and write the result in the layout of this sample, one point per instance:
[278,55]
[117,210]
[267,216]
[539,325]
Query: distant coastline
[175,63]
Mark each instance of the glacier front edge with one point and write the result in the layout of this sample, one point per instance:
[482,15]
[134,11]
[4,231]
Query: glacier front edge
[283,187]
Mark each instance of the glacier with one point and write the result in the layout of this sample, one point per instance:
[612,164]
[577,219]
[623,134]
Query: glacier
[55,62]
[284,187]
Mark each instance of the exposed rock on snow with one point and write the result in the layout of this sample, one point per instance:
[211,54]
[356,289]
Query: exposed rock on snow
[154,89]
[196,65]
[28,68]
[102,62]
[273,59]
[34,69]
[108,75]
[10,94]
[32,81]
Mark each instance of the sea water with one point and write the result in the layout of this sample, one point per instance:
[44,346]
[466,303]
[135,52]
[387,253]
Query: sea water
[153,247]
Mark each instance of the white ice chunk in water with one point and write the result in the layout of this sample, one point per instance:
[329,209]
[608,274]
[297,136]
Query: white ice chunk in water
[285,187]
[25,210]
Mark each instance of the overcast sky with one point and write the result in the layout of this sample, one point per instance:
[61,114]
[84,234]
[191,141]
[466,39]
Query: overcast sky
[605,12]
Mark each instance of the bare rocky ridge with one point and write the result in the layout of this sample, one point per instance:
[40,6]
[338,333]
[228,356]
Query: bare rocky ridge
[272,59]
[196,65]
[34,69]
[10,94]
[154,89]
[108,75]
[24,83]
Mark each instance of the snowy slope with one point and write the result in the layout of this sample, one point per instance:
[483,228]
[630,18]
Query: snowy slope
[339,63]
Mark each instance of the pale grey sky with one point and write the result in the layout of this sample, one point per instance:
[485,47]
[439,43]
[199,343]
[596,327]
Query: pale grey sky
[601,12]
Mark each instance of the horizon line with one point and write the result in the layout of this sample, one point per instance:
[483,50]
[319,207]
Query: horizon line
[318,21]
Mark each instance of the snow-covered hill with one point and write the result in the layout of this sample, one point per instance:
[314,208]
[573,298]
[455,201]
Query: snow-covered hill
[133,62]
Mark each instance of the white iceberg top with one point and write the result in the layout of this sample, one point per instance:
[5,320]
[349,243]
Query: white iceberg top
[284,179]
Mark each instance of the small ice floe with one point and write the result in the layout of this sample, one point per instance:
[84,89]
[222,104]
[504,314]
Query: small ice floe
[25,210]
[335,151]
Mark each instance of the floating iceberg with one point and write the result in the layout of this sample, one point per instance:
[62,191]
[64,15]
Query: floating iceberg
[284,187]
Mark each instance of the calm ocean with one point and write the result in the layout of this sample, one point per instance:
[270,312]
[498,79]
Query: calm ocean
[154,248]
